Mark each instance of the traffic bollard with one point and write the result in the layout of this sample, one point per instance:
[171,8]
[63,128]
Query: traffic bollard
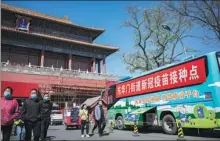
[135,132]
[112,126]
[180,132]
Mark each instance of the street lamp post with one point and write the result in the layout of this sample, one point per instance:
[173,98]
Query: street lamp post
[166,27]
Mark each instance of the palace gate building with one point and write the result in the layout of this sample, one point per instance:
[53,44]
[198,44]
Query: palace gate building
[53,55]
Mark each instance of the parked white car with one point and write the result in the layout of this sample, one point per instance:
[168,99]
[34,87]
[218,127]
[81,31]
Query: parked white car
[56,117]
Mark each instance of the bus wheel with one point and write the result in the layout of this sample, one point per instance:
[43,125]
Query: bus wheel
[120,123]
[169,125]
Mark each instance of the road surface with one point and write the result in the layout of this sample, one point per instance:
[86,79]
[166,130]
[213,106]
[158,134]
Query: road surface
[59,133]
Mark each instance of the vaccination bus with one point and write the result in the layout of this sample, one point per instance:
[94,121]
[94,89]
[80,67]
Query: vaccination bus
[186,93]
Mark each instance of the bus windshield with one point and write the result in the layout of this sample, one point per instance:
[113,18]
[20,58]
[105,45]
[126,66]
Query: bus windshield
[218,57]
[111,96]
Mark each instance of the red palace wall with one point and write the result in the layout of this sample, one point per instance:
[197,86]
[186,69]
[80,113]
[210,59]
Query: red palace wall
[23,83]
[19,89]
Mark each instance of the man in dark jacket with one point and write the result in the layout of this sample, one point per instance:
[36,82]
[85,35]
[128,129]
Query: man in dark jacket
[45,122]
[31,115]
[99,118]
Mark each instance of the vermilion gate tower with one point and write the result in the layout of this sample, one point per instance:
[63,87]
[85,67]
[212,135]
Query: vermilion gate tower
[52,54]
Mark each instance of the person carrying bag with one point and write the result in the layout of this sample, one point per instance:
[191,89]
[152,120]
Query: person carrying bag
[83,114]
[9,112]
[99,118]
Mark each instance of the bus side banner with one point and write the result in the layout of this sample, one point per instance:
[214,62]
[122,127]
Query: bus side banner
[190,73]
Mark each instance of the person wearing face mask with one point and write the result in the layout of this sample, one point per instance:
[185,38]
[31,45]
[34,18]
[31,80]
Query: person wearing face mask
[99,118]
[46,105]
[31,115]
[84,115]
[9,112]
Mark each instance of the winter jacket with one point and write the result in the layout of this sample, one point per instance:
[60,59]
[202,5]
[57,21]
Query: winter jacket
[99,112]
[31,111]
[9,111]
[46,109]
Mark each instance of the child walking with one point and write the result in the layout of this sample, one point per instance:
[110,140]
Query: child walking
[83,114]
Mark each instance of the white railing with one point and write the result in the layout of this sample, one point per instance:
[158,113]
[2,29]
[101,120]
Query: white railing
[38,70]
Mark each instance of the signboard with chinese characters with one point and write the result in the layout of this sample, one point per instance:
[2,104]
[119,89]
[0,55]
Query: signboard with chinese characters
[189,73]
[170,97]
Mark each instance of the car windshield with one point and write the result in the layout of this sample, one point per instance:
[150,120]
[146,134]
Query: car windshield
[75,111]
[55,112]
[55,108]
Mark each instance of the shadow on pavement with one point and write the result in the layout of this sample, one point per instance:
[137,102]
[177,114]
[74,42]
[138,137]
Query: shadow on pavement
[202,133]
[53,129]
[187,132]
[49,138]
[91,135]
[73,128]
[104,134]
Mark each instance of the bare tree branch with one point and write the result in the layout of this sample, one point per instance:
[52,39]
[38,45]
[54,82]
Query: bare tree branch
[206,13]
[154,45]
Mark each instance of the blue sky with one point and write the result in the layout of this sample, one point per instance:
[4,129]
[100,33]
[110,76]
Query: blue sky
[108,15]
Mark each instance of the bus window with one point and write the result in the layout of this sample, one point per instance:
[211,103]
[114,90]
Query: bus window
[111,96]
